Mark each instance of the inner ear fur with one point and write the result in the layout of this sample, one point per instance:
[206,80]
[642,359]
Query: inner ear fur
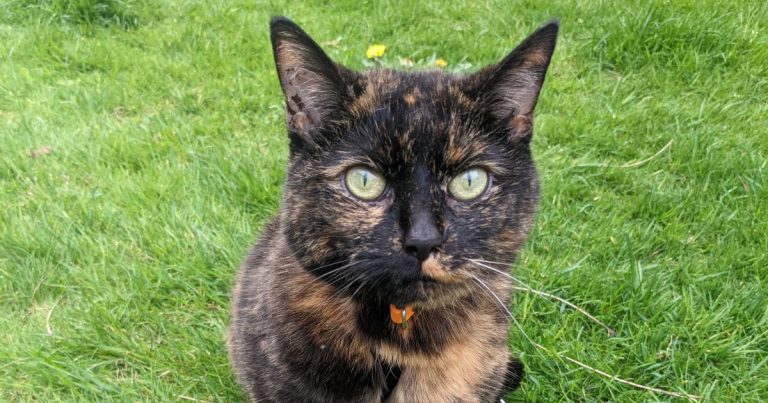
[315,88]
[510,88]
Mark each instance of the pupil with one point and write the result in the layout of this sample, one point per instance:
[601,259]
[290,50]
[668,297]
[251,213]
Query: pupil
[469,180]
[365,179]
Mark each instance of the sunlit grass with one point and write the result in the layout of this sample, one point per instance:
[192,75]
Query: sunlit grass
[165,154]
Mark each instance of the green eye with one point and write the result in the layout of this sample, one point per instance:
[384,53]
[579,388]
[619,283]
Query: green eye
[469,184]
[364,183]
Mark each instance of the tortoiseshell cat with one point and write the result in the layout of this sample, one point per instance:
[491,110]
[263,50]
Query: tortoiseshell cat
[361,288]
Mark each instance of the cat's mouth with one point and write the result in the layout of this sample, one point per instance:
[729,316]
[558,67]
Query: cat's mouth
[432,294]
[436,284]
[434,270]
[401,279]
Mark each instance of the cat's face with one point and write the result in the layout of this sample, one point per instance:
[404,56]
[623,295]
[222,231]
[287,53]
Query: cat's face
[396,179]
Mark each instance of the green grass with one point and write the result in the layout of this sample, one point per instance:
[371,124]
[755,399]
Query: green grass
[165,125]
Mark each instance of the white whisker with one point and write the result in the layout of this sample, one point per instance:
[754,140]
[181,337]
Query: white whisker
[540,347]
[501,303]
[525,287]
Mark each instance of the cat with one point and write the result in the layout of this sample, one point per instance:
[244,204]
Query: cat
[363,287]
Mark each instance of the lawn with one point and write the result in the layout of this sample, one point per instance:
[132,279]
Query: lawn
[142,148]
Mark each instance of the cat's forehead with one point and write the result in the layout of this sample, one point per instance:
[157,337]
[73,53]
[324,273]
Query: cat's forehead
[407,119]
[431,92]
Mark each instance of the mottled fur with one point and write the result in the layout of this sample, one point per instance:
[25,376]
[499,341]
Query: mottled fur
[310,313]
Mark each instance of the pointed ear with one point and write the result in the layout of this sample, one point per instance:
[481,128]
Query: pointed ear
[510,89]
[315,92]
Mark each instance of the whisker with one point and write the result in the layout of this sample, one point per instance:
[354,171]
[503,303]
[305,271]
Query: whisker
[526,287]
[690,397]
[328,265]
[346,266]
[362,284]
[330,277]
[501,303]
[694,398]
[356,277]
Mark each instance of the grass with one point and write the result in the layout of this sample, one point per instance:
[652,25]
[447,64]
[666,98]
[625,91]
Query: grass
[142,148]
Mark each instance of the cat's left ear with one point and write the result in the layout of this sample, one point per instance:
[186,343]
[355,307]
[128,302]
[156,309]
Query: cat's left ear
[511,88]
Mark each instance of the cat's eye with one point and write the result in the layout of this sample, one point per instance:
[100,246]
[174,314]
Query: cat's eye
[469,184]
[364,183]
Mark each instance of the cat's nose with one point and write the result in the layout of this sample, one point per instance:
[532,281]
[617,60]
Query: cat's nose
[423,236]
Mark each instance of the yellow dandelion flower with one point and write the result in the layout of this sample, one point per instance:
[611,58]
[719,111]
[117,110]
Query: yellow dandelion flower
[441,63]
[375,51]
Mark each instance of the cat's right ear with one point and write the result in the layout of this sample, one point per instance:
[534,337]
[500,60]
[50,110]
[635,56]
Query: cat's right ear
[510,89]
[315,92]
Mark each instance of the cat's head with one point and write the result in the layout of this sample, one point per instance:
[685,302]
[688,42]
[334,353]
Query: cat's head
[396,179]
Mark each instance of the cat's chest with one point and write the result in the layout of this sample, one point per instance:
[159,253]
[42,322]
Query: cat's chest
[453,374]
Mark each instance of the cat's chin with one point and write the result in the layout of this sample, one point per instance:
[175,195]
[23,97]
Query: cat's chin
[434,286]
[431,293]
[434,269]
[444,295]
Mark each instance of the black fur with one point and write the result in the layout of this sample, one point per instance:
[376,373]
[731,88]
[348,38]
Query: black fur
[311,318]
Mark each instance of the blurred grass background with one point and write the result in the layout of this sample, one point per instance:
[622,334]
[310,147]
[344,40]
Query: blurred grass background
[142,147]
